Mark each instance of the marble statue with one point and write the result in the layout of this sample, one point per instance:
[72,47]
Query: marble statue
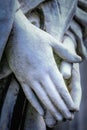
[41,46]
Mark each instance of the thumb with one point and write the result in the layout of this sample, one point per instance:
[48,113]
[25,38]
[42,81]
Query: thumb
[65,53]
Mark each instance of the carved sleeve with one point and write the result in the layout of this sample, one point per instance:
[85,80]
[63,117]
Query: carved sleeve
[79,27]
[7,9]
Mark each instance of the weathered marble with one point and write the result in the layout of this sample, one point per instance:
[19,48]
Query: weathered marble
[66,22]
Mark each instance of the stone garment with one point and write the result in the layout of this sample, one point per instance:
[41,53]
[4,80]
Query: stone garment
[7,10]
[57,17]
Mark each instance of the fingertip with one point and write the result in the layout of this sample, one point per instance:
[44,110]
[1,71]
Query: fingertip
[49,119]
[51,124]
[59,118]
[78,58]
[65,69]
[75,58]
[76,108]
[72,107]
[66,75]
[71,117]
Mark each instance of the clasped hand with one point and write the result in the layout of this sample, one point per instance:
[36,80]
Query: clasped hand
[29,54]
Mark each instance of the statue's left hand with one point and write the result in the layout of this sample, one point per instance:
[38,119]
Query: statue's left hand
[29,54]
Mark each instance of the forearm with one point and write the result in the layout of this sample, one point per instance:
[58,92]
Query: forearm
[20,20]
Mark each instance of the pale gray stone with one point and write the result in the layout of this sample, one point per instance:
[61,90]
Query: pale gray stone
[56,17]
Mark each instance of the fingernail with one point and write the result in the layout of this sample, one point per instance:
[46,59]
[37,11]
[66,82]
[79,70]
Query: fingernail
[52,125]
[69,117]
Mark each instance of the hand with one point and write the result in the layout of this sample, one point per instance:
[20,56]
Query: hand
[75,92]
[75,86]
[30,57]
[70,73]
[69,70]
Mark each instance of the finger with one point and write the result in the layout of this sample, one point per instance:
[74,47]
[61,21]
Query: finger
[54,96]
[45,100]
[65,69]
[32,98]
[75,86]
[50,120]
[64,53]
[70,44]
[61,87]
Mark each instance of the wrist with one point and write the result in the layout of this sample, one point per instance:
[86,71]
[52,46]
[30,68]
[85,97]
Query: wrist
[20,19]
